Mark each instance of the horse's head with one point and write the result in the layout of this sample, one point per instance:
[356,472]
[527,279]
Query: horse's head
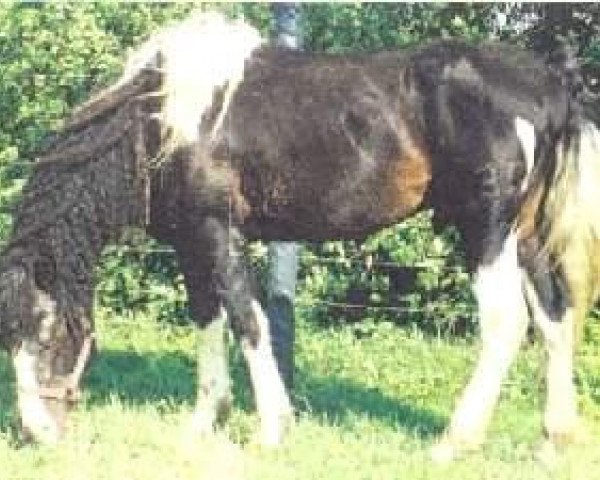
[50,345]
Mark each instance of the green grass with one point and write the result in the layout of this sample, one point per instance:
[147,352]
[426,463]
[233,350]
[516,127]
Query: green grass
[371,401]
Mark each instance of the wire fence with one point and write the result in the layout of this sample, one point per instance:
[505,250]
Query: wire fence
[312,259]
[359,261]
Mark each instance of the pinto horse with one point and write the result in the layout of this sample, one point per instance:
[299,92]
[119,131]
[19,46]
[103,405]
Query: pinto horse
[217,138]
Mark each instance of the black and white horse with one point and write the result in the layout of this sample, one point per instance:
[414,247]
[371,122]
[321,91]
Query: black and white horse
[264,143]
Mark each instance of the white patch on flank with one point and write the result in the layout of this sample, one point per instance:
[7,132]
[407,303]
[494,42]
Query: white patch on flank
[272,403]
[497,285]
[526,134]
[201,53]
[34,414]
[214,382]
[503,322]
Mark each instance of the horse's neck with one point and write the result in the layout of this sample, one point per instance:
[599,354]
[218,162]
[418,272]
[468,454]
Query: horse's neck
[90,203]
[165,201]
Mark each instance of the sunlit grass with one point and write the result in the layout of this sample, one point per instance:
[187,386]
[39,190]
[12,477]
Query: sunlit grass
[370,408]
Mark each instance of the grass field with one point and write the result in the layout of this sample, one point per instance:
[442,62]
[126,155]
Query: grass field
[369,409]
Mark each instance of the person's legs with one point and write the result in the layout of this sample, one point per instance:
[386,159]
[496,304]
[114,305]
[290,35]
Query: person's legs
[281,288]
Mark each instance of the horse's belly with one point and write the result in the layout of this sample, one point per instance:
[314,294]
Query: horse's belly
[344,206]
[394,190]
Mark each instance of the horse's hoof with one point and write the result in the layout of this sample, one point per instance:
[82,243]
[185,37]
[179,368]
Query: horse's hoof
[443,452]
[577,433]
[450,448]
[205,418]
[273,433]
[42,430]
[269,438]
[551,450]
[42,435]
[202,423]
[547,455]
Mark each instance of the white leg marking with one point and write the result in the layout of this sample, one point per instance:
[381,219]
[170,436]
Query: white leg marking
[526,134]
[35,416]
[503,322]
[272,403]
[560,417]
[214,382]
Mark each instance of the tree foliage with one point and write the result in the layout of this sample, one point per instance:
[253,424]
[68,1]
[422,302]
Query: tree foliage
[55,55]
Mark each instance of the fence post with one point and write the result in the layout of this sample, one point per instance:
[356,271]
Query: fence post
[283,256]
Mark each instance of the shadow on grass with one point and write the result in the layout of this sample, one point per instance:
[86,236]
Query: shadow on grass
[8,398]
[170,377]
[169,380]
[338,401]
[139,378]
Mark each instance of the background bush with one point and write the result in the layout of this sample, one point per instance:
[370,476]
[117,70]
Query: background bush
[53,56]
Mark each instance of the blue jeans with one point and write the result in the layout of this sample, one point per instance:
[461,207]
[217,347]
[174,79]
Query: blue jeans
[281,289]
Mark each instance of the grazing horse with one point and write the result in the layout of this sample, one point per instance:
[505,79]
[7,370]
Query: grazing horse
[211,137]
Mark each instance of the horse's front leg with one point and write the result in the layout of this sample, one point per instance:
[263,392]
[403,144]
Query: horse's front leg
[214,383]
[250,324]
[503,323]
[214,399]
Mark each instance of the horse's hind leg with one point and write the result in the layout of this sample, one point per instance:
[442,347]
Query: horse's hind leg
[560,416]
[555,318]
[214,384]
[251,326]
[503,323]
[272,403]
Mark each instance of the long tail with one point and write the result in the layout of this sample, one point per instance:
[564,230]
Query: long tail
[571,215]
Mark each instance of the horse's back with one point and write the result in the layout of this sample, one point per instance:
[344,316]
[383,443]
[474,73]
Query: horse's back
[309,133]
[336,146]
